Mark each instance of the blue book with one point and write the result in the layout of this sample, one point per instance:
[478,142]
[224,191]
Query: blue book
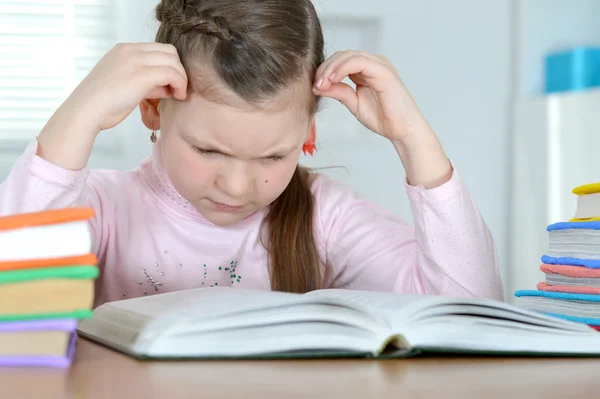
[580,308]
[574,244]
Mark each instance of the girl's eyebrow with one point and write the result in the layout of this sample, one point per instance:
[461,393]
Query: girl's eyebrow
[206,146]
[282,151]
[216,148]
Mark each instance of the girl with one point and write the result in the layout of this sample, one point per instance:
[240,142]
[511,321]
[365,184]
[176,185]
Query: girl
[233,86]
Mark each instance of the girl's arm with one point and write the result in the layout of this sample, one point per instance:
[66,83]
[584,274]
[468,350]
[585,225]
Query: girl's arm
[51,173]
[35,184]
[450,251]
[124,77]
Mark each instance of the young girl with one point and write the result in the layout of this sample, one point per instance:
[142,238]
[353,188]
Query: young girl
[233,87]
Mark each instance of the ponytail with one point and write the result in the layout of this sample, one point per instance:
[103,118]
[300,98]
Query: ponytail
[294,263]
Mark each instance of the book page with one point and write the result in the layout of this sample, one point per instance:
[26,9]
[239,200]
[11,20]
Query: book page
[296,313]
[311,339]
[402,311]
[204,302]
[384,304]
[459,332]
[51,241]
[119,322]
[184,319]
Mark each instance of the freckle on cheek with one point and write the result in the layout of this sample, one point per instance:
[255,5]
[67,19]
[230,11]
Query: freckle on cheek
[266,181]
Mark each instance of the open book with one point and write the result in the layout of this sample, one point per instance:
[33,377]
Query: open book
[237,323]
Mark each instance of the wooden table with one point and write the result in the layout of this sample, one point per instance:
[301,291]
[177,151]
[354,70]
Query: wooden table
[101,373]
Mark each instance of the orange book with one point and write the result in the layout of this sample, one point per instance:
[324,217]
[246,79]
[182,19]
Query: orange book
[51,234]
[42,218]
[82,260]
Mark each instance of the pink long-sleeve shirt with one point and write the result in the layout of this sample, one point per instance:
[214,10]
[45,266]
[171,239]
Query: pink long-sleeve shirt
[149,240]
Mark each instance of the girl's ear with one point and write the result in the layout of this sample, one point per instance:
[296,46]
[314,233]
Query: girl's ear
[150,114]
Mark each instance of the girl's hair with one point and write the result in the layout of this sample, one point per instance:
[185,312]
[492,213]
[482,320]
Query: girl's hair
[258,49]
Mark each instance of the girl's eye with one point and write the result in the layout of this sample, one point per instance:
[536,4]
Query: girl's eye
[213,153]
[205,152]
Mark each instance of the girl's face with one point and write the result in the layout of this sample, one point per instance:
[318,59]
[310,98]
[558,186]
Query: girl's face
[229,161]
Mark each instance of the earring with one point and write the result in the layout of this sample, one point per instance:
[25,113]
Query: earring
[309,146]
[153,137]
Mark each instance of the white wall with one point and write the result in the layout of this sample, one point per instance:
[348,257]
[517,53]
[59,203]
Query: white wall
[454,56]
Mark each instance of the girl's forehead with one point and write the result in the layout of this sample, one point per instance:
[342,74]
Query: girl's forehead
[240,131]
[298,95]
[197,110]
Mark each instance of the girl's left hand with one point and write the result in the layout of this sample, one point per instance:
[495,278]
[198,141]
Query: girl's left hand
[380,102]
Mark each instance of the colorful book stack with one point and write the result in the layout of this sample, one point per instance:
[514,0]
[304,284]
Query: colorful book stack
[572,265]
[47,276]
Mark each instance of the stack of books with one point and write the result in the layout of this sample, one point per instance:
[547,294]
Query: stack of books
[47,277]
[572,265]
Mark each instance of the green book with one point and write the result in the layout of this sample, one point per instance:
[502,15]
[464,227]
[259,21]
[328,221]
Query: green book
[47,293]
[77,314]
[71,272]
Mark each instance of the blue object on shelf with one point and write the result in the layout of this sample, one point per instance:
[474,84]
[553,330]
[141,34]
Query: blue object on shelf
[573,70]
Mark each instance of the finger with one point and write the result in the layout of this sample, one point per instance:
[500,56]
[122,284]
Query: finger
[319,73]
[358,79]
[158,58]
[326,71]
[329,68]
[160,92]
[153,46]
[168,76]
[344,94]
[362,69]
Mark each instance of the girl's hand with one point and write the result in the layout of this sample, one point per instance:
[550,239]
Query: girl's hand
[125,76]
[380,102]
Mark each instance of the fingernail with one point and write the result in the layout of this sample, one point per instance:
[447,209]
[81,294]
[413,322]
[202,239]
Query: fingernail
[332,76]
[319,83]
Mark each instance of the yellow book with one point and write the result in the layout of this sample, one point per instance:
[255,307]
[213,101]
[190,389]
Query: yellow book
[592,188]
[588,203]
[594,219]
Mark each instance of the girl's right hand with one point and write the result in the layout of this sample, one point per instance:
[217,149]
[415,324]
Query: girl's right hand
[125,76]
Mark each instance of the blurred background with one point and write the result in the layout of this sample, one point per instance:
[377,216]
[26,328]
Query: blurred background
[509,86]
